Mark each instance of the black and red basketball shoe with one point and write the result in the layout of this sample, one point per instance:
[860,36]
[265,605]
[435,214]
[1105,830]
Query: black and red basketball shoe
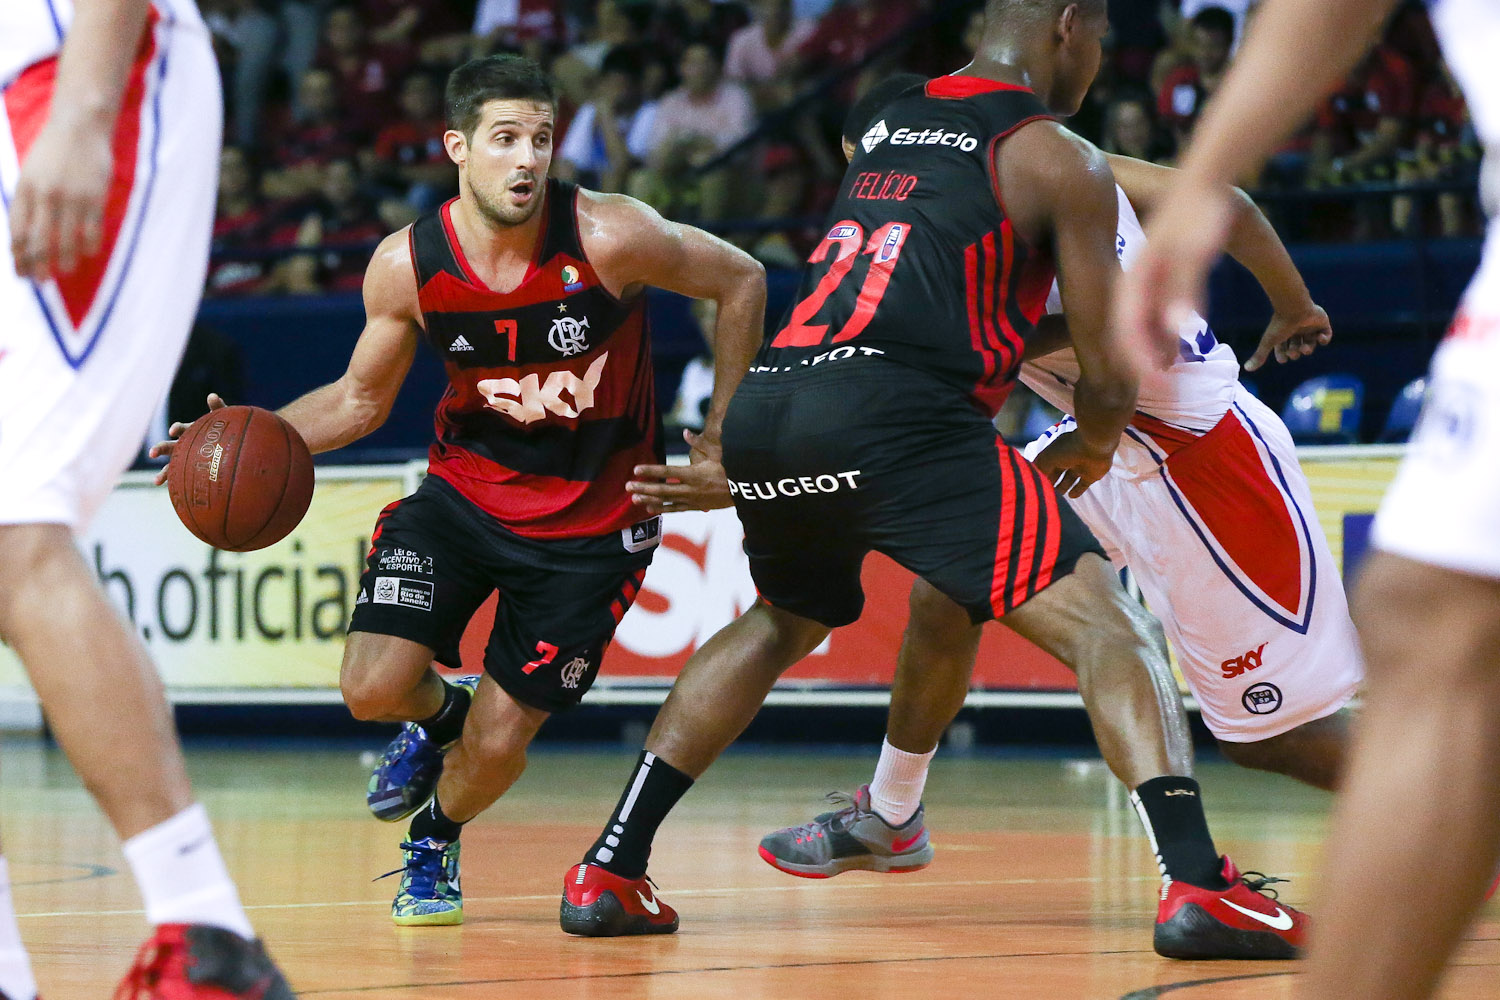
[597,903]
[1242,921]
[198,962]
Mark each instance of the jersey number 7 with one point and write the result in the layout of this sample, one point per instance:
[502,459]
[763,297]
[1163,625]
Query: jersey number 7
[883,249]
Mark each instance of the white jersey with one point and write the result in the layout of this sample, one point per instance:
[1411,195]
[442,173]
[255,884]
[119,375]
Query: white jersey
[33,30]
[1194,392]
[1469,33]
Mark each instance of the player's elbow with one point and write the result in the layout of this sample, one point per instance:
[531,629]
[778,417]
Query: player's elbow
[1114,389]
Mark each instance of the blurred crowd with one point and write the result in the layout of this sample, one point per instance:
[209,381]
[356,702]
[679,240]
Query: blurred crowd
[726,113]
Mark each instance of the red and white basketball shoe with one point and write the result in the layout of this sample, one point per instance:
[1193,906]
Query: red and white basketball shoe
[597,903]
[1242,921]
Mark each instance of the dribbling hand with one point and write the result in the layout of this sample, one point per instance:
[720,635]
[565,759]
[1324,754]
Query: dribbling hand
[1072,466]
[699,485]
[163,449]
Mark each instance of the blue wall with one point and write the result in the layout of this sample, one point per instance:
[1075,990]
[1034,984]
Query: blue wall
[1388,301]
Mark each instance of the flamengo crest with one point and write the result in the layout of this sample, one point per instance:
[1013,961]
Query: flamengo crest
[567,335]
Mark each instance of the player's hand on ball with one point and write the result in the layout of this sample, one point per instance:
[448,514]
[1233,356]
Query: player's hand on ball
[1293,335]
[699,485]
[1072,466]
[163,449]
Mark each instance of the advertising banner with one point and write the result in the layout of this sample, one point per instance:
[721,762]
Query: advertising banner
[242,626]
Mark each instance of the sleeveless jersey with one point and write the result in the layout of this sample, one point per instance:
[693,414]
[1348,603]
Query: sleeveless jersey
[1195,392]
[33,30]
[551,400]
[920,264]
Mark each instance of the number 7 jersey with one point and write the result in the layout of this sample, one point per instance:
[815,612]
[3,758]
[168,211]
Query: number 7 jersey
[919,264]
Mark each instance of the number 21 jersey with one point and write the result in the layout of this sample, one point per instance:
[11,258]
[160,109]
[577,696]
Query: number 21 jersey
[920,265]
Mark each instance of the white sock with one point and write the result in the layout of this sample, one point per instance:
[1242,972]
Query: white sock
[182,876]
[16,980]
[896,790]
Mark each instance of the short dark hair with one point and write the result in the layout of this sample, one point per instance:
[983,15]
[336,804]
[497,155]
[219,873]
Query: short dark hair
[1215,19]
[628,60]
[492,78]
[858,120]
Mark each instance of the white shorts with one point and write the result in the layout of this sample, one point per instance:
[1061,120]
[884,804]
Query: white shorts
[1444,506]
[1218,530]
[85,363]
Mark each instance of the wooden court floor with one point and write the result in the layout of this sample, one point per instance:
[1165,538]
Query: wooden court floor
[1042,886]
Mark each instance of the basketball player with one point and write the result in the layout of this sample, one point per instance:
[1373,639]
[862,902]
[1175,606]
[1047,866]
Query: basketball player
[1199,447]
[865,424]
[531,291]
[1417,830]
[109,140]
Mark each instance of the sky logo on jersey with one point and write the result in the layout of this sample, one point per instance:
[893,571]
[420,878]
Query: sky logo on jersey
[934,137]
[892,245]
[875,136]
[572,282]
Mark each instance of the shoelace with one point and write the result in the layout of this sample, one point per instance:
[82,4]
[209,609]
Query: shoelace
[150,962]
[425,865]
[1258,882]
[810,829]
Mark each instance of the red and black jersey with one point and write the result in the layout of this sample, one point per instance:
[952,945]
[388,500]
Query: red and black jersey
[551,400]
[919,263]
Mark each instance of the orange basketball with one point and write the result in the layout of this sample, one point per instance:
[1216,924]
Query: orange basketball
[240,478]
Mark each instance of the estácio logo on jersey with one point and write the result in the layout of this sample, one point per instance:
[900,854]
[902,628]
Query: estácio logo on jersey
[918,137]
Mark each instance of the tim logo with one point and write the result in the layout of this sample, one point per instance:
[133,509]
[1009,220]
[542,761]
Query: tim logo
[1261,699]
[567,335]
[875,136]
[530,399]
[1240,664]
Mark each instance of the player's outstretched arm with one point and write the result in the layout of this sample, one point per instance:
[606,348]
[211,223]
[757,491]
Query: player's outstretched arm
[1059,192]
[344,411]
[1296,50]
[1299,325]
[632,247]
[341,412]
[57,213]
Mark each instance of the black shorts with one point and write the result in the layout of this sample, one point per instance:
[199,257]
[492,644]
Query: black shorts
[435,558]
[826,466]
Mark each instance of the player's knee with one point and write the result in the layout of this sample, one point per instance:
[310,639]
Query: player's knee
[367,694]
[935,619]
[495,749]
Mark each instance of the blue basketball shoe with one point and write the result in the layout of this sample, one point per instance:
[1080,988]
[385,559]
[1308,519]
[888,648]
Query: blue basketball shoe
[408,771]
[429,895]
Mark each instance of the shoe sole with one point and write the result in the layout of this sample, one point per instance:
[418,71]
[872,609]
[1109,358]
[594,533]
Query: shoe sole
[896,865]
[1193,933]
[447,918]
[607,917]
[381,809]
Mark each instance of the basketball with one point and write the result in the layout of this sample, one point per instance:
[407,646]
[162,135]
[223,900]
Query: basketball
[240,478]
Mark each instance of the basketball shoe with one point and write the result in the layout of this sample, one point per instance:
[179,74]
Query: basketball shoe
[855,837]
[408,771]
[597,903]
[1242,921]
[199,962]
[429,895]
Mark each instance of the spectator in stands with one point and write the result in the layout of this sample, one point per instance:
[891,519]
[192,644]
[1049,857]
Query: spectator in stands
[1186,89]
[302,151]
[610,136]
[694,124]
[1362,126]
[763,53]
[1130,128]
[409,153]
[343,225]
[241,220]
[1445,149]
[850,32]
[365,73]
[253,38]
[684,22]
[617,23]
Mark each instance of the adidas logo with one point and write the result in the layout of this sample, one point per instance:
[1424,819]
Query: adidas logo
[460,345]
